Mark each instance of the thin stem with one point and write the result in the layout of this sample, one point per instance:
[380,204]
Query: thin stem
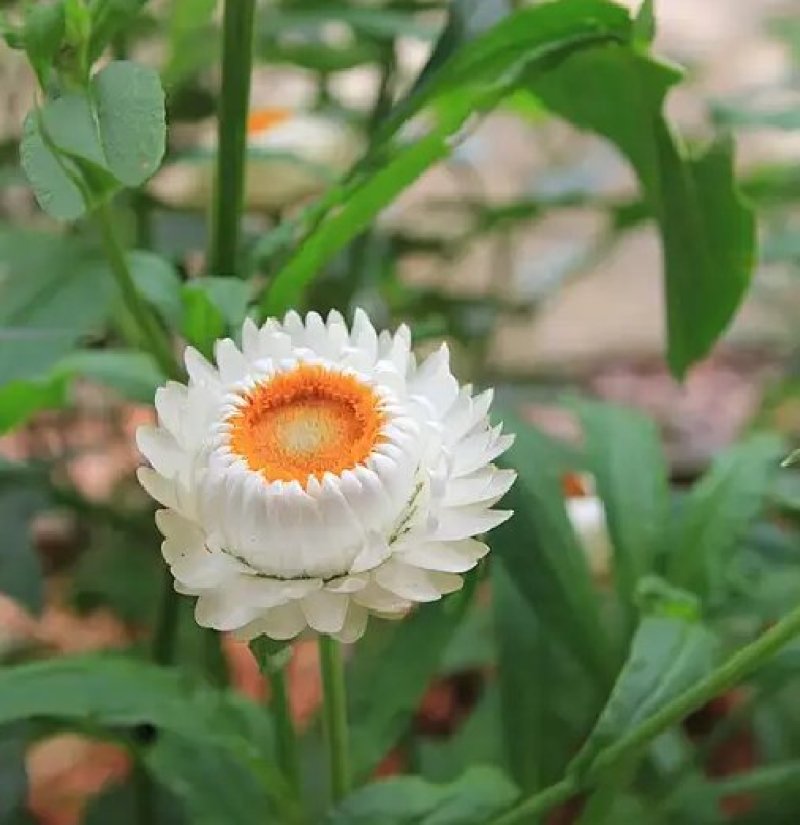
[733,671]
[234,100]
[284,728]
[153,335]
[273,658]
[166,630]
[335,715]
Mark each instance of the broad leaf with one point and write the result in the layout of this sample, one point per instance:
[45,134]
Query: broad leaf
[129,103]
[121,804]
[20,568]
[474,80]
[479,795]
[134,375]
[50,297]
[707,231]
[112,691]
[624,454]
[19,400]
[521,655]
[385,688]
[55,180]
[158,281]
[668,654]
[212,308]
[42,34]
[109,18]
[542,556]
[13,777]
[718,511]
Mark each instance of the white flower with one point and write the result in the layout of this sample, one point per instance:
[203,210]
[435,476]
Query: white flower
[320,474]
[587,515]
[290,156]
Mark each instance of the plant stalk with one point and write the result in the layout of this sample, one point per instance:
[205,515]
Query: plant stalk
[730,673]
[234,101]
[153,335]
[284,728]
[335,715]
[166,631]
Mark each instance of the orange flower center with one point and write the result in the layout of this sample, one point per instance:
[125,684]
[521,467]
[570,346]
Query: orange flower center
[262,120]
[306,422]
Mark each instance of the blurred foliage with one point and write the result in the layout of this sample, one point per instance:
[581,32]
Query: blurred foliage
[566,661]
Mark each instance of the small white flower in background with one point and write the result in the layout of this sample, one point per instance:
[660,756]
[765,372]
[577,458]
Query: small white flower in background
[290,156]
[587,516]
[320,474]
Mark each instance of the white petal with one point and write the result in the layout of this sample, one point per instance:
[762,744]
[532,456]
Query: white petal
[455,523]
[283,622]
[479,449]
[374,552]
[434,381]
[161,450]
[241,600]
[250,340]
[232,364]
[446,582]
[200,371]
[355,624]
[486,484]
[408,582]
[364,337]
[170,406]
[325,611]
[163,490]
[376,598]
[445,556]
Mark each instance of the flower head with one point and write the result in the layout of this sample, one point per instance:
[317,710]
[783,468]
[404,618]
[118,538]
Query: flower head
[319,474]
[291,155]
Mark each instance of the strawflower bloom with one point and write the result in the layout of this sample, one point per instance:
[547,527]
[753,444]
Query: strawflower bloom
[291,155]
[319,474]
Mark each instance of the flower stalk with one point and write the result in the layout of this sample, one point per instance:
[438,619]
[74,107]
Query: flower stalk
[730,673]
[335,715]
[234,101]
[273,658]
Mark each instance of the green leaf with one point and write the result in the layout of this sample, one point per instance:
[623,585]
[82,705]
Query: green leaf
[51,295]
[539,550]
[707,232]
[624,454]
[211,307]
[158,281]
[385,687]
[70,125]
[54,179]
[13,776]
[20,569]
[19,400]
[474,799]
[193,776]
[667,656]
[719,509]
[109,18]
[120,805]
[42,34]
[134,375]
[112,691]
[474,80]
[129,103]
[521,645]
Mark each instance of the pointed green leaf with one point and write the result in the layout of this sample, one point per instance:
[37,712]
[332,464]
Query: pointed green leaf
[667,656]
[474,799]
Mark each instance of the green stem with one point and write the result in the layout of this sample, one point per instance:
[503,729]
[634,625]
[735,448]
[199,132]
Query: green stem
[234,101]
[273,658]
[733,671]
[166,630]
[335,715]
[284,727]
[153,334]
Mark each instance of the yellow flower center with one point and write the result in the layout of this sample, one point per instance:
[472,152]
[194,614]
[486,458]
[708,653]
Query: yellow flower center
[262,120]
[306,422]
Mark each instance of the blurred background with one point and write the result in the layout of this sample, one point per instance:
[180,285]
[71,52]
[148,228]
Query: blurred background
[526,250]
